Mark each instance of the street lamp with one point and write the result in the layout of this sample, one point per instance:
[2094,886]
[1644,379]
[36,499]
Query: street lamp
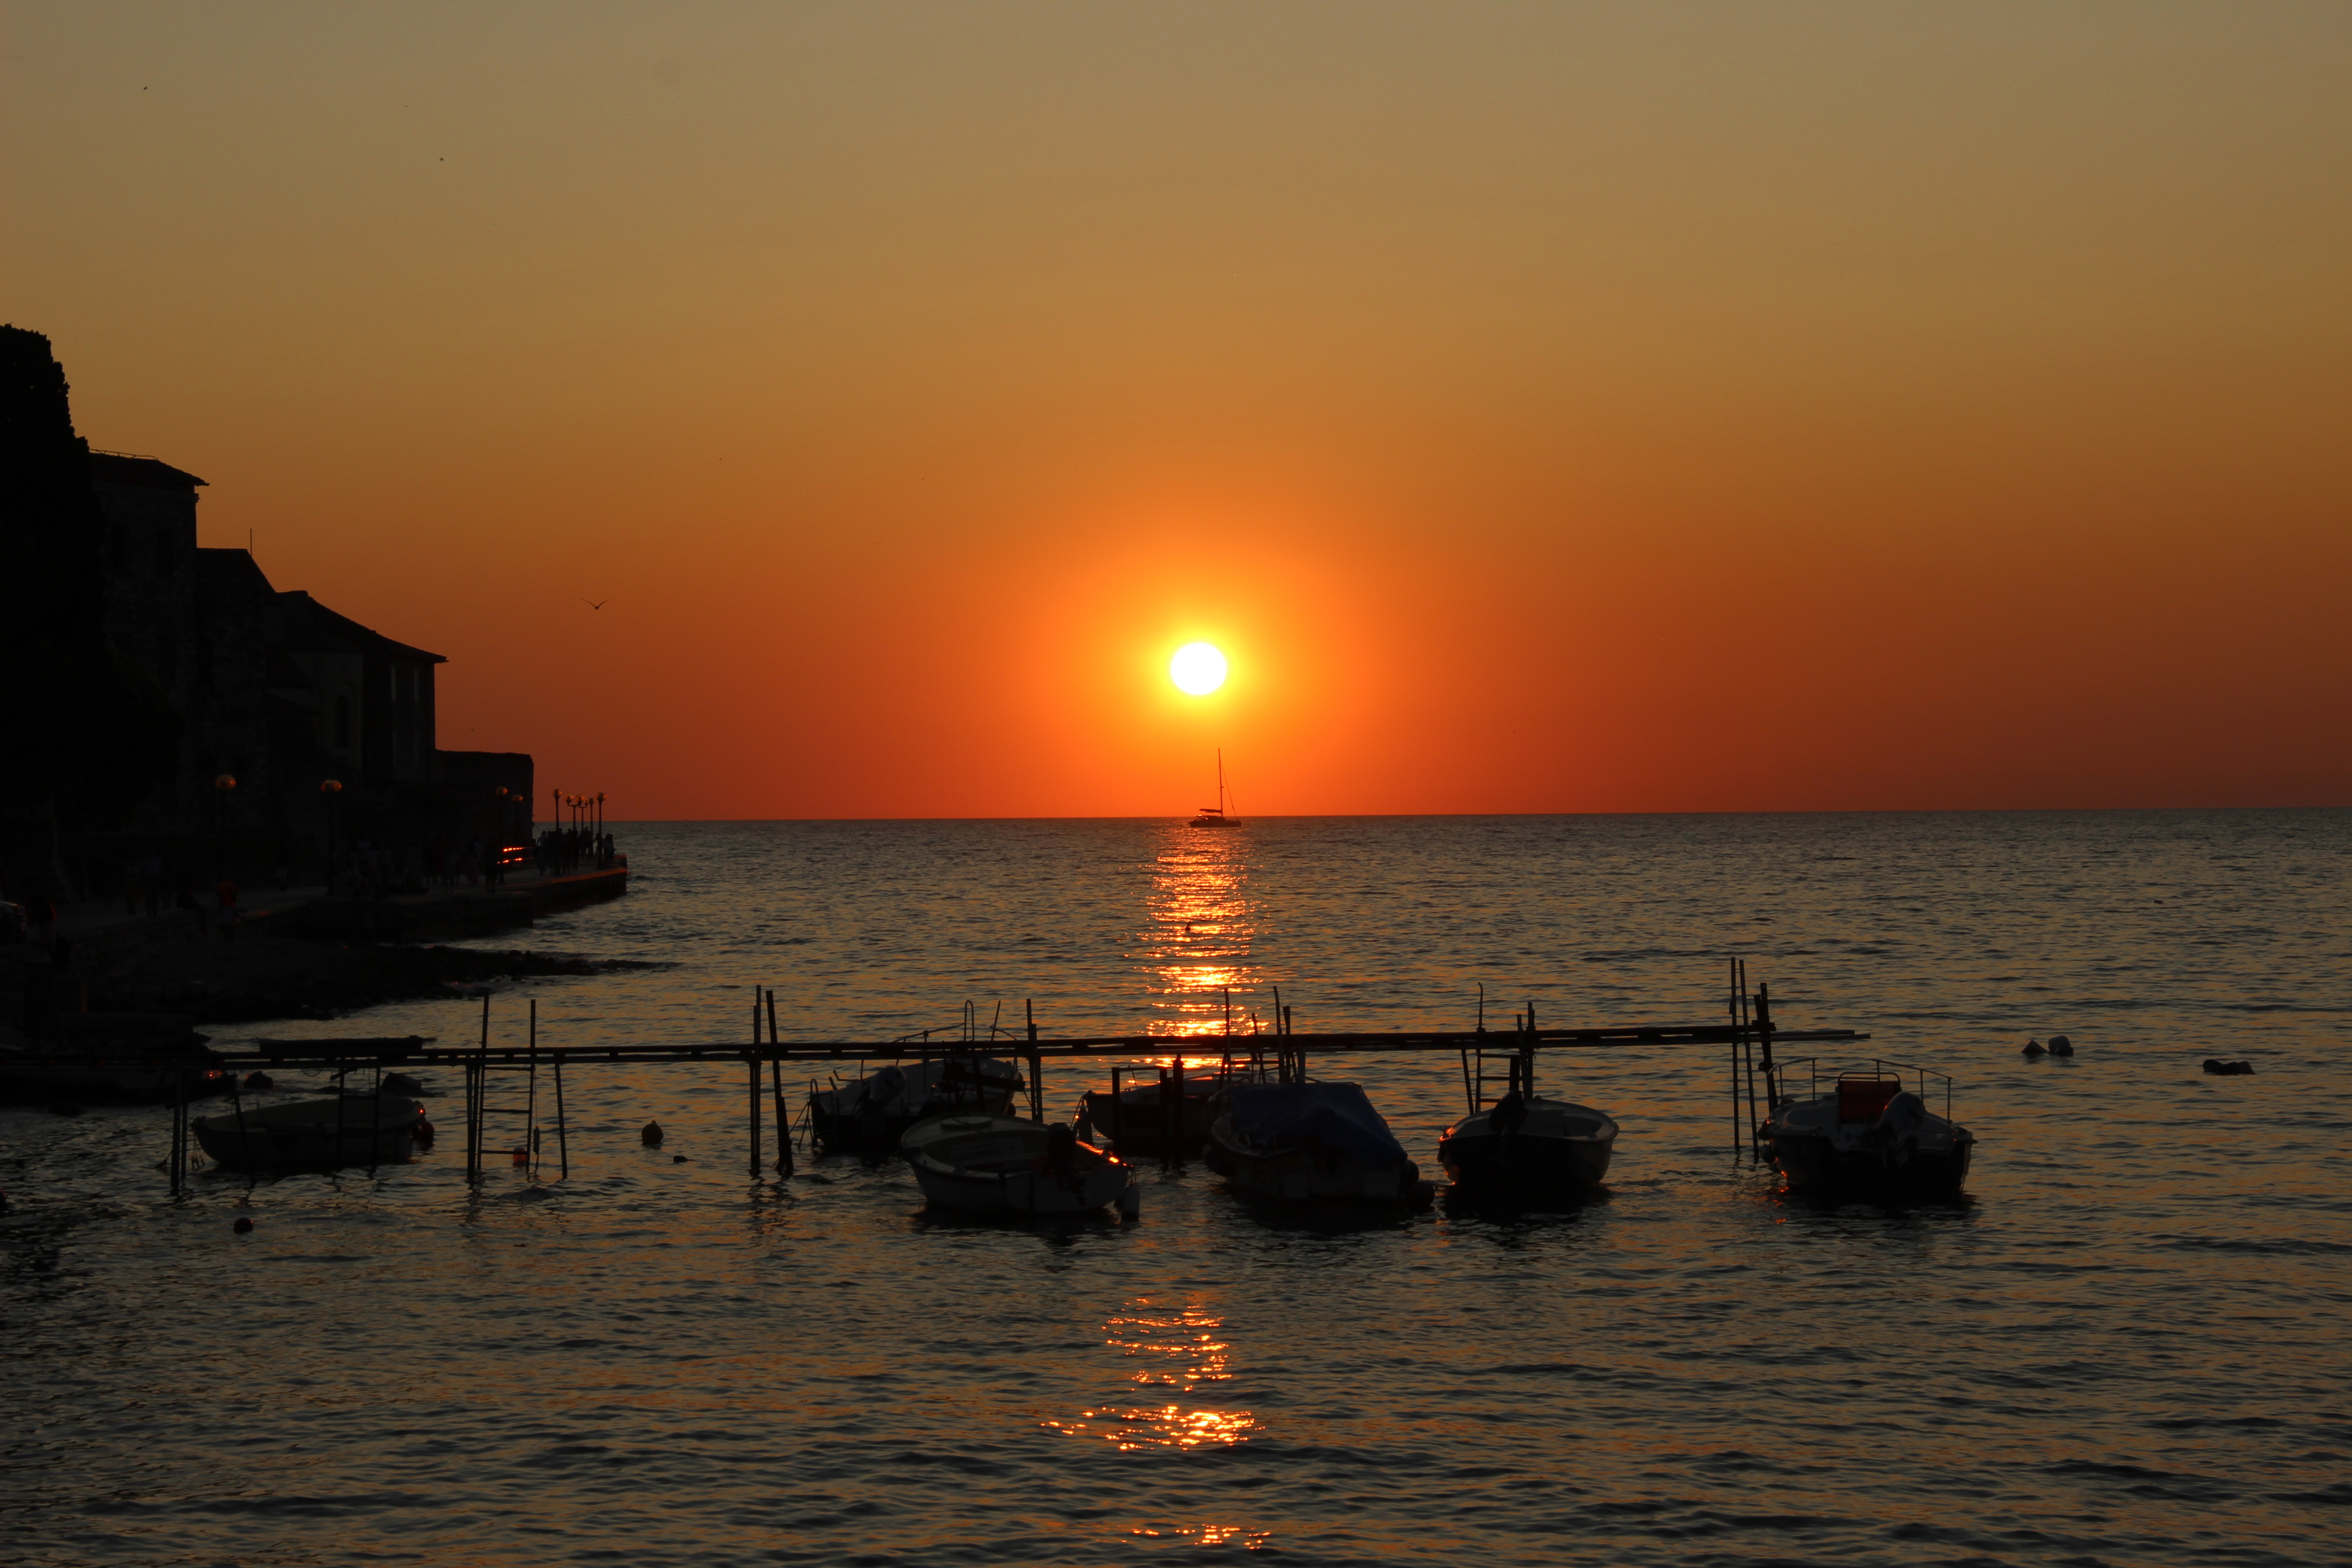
[330,788]
[221,786]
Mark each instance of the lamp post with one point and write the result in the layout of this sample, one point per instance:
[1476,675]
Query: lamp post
[331,789]
[600,831]
[221,787]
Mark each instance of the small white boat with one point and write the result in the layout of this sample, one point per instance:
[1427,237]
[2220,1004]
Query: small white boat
[1868,1134]
[1004,1164]
[1303,1143]
[313,1135]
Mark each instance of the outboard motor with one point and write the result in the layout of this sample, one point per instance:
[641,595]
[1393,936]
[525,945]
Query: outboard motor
[1897,1131]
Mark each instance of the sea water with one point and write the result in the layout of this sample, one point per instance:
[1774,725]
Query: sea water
[2126,1343]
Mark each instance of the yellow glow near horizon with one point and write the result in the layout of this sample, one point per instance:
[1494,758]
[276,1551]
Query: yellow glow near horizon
[1198,669]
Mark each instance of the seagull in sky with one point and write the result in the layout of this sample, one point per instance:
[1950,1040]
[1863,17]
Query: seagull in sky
[595,604]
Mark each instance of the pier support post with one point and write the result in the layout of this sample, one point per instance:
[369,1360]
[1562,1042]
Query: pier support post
[563,1137]
[176,1165]
[1036,1066]
[531,1094]
[776,1081]
[751,1060]
[477,1086]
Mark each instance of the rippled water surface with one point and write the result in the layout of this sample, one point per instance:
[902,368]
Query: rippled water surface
[2126,1345]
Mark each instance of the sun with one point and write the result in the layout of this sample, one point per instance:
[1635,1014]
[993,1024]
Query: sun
[1198,667]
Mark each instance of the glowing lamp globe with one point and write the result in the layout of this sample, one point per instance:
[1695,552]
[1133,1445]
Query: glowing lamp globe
[1198,669]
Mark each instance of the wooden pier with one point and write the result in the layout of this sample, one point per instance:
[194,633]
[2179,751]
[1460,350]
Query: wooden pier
[488,1067]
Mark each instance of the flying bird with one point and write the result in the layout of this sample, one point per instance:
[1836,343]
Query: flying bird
[595,604]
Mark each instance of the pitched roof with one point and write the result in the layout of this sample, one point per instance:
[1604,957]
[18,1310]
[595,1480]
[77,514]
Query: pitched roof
[145,473]
[306,624]
[224,562]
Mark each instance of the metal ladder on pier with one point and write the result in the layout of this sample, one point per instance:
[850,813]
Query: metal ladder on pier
[526,1144]
[1286,1066]
[1751,1058]
[1512,1065]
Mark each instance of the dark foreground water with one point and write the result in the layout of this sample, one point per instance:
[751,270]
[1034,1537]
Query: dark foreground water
[2129,1344]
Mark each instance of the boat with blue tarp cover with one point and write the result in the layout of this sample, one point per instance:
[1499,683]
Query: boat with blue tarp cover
[1311,1142]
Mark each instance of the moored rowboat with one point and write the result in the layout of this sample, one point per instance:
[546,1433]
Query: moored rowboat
[313,1135]
[1528,1146]
[1004,1164]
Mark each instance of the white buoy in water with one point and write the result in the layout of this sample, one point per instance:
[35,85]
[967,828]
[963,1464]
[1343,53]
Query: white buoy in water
[1130,1201]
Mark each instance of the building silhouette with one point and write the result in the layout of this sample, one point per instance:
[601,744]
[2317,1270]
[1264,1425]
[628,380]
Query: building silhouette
[167,668]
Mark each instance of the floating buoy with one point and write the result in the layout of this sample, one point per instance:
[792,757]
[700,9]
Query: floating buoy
[652,1134]
[1130,1201]
[242,1225]
[2060,1046]
[678,1159]
[422,1132]
[2229,1069]
[521,1158]
[257,1080]
[2032,1050]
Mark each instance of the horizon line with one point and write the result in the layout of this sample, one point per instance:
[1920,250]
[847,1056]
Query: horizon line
[1494,815]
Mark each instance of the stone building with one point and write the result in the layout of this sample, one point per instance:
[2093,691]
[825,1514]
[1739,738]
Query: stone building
[168,699]
[280,694]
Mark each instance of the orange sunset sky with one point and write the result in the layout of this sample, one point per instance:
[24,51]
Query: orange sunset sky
[1546,407]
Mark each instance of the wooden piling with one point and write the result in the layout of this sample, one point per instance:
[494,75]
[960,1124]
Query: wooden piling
[1173,1150]
[776,1083]
[563,1132]
[1731,1004]
[1037,1065]
[751,1060]
[531,1092]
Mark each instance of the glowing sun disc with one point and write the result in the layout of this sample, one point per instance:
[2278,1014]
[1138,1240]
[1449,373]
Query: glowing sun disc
[1198,667]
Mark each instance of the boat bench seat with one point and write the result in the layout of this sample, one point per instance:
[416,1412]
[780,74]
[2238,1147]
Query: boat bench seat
[992,1151]
[1864,1099]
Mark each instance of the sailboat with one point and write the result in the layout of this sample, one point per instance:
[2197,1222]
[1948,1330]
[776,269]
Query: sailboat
[1217,816]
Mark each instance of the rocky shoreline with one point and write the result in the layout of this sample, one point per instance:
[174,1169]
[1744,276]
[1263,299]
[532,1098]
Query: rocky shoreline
[260,976]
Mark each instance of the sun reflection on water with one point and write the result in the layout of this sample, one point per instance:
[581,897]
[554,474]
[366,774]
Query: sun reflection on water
[1196,939]
[1175,1350]
[1211,1535]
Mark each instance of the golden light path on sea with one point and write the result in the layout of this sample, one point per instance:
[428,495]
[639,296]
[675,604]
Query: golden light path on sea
[1179,1350]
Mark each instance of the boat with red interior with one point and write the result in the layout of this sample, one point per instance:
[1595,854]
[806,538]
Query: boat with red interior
[1867,1129]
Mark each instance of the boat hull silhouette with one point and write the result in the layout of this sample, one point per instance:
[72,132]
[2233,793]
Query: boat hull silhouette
[1004,1164]
[1558,1150]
